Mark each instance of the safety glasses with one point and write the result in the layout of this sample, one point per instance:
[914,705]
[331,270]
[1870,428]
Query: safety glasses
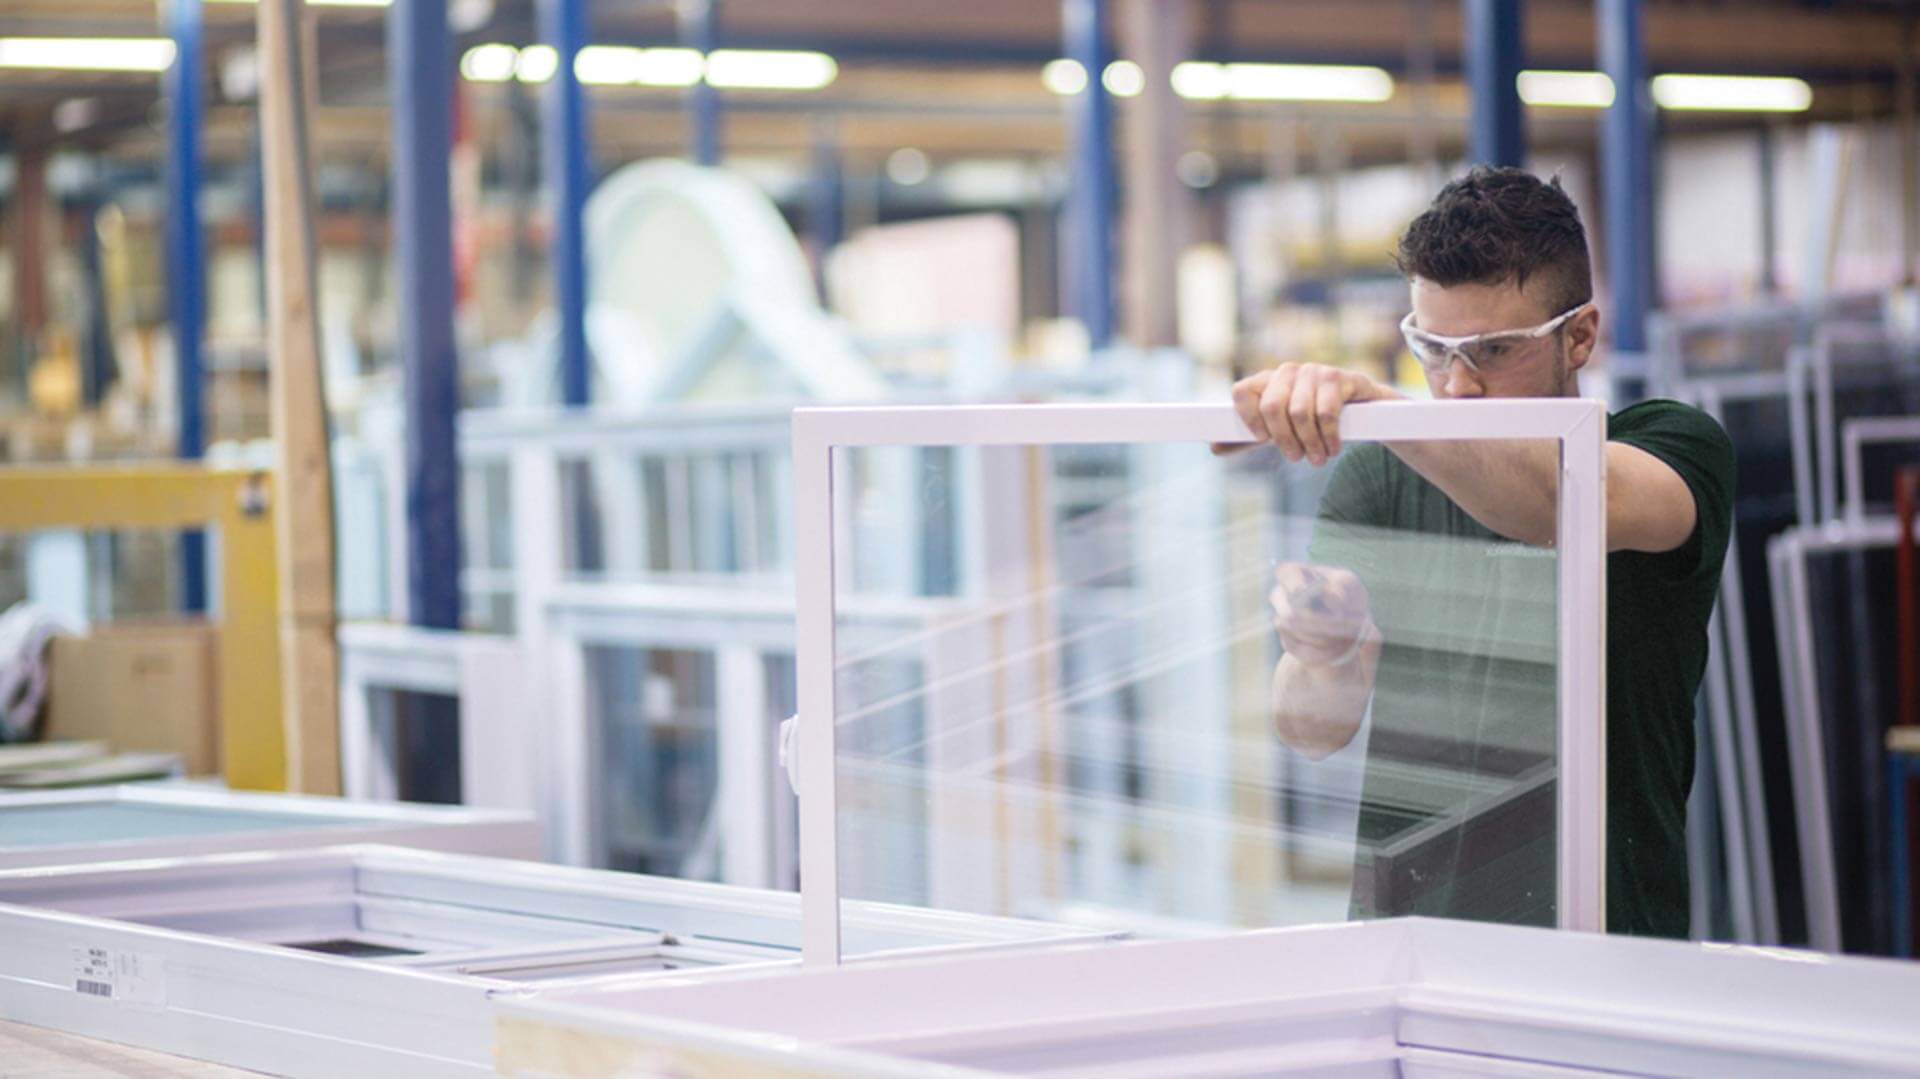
[1483,353]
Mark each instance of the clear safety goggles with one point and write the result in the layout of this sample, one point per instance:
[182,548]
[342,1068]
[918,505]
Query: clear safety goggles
[1483,353]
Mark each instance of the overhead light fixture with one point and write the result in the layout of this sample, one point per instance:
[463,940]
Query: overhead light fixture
[622,65]
[1198,81]
[1066,77]
[1732,93]
[1566,89]
[318,3]
[536,63]
[607,65]
[1063,77]
[87,53]
[489,63]
[595,65]
[769,69]
[1203,81]
[908,166]
[1124,78]
[670,67]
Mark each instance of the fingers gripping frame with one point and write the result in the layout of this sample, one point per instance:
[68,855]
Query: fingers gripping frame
[1579,427]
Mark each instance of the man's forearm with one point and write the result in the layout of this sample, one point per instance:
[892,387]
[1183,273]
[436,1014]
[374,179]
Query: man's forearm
[1511,487]
[1317,709]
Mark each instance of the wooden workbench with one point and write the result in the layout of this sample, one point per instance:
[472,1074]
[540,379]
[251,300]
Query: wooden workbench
[37,1053]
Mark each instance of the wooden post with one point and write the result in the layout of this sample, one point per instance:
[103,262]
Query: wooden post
[303,472]
[28,231]
[1156,35]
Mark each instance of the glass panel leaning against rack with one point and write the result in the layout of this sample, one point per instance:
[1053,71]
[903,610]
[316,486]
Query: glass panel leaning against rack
[1175,688]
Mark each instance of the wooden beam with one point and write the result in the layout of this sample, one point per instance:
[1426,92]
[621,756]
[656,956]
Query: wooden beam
[1158,36]
[308,650]
[28,233]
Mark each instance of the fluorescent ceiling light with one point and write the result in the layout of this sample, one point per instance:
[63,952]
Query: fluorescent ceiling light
[536,63]
[1201,81]
[1064,77]
[1123,78]
[1198,81]
[620,65]
[768,69]
[489,63]
[1732,93]
[318,3]
[1566,89]
[670,67]
[607,65]
[87,53]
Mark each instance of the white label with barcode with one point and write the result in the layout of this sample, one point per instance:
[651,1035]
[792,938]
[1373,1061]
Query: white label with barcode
[113,974]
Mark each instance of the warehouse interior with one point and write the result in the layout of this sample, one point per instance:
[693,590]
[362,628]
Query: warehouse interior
[566,519]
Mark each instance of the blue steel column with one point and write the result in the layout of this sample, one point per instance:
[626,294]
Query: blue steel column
[563,25]
[700,29]
[1496,50]
[186,266]
[420,72]
[1090,209]
[1627,171]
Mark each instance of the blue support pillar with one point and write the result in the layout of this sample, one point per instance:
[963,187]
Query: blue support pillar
[186,266]
[1092,196]
[700,30]
[1627,171]
[420,72]
[1496,51]
[563,25]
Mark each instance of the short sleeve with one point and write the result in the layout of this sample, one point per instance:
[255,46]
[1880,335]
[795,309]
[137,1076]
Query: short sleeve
[1698,450]
[1354,506]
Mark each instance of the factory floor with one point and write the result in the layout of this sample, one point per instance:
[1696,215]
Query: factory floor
[36,1053]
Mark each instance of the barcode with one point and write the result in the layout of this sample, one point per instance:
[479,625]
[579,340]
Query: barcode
[94,989]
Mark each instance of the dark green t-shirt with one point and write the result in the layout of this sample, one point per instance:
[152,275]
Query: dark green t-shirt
[1457,807]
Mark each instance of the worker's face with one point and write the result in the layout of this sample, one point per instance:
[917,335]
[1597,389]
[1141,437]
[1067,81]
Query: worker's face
[1545,369]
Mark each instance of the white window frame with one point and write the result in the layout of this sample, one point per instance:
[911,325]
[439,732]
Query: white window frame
[1579,426]
[486,674]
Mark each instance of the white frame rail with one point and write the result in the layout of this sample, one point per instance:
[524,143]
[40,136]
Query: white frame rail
[486,673]
[1579,426]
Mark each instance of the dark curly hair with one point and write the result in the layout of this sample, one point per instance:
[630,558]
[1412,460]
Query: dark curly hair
[1499,225]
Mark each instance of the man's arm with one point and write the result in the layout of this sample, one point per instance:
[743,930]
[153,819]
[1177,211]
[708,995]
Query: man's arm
[1512,488]
[1317,709]
[1322,684]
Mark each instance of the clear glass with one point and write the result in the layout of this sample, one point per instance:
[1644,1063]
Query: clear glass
[418,737]
[116,822]
[703,517]
[652,718]
[1098,721]
[96,576]
[486,545]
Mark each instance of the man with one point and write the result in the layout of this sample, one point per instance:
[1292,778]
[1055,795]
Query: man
[1502,307]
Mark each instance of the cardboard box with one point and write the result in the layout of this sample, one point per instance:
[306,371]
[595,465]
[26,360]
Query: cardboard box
[138,686]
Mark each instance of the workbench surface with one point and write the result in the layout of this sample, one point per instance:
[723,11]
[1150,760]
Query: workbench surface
[37,1053]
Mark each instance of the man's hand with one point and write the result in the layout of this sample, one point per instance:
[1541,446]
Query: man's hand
[1296,406]
[1323,615]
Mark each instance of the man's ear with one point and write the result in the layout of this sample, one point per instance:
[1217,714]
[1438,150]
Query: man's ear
[1583,333]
